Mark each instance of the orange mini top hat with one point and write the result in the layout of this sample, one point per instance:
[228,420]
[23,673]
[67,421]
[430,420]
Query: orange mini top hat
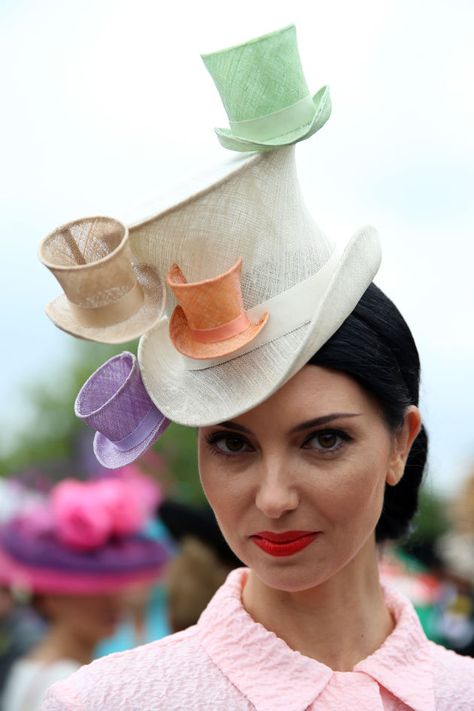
[210,320]
[107,297]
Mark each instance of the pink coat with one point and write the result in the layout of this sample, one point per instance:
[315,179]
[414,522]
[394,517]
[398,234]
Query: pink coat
[229,662]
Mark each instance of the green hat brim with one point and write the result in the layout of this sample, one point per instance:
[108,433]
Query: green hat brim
[322,111]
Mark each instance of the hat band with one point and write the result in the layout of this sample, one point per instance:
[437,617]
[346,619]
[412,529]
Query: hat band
[288,311]
[278,123]
[221,333]
[298,305]
[29,578]
[116,311]
[154,418]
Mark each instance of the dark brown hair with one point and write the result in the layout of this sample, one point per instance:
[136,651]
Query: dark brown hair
[375,347]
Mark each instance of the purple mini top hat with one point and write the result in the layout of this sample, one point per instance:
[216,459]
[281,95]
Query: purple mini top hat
[114,402]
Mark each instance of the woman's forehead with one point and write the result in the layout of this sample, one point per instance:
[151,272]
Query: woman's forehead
[313,393]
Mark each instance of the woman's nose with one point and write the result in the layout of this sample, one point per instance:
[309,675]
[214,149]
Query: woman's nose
[276,494]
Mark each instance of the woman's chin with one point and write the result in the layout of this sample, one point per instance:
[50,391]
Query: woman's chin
[289,577]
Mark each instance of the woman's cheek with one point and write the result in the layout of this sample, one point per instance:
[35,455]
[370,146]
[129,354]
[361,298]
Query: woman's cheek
[223,497]
[351,494]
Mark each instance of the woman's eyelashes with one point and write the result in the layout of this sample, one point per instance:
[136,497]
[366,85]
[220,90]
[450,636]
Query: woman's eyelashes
[228,444]
[327,441]
[324,442]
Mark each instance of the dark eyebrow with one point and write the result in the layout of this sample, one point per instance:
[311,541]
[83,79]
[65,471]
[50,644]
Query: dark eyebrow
[234,426]
[323,420]
[303,426]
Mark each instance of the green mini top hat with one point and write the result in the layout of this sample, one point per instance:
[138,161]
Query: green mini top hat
[265,94]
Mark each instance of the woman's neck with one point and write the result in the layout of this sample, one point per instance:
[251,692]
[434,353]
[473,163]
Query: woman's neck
[60,643]
[338,623]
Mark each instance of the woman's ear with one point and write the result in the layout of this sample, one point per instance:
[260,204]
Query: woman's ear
[403,440]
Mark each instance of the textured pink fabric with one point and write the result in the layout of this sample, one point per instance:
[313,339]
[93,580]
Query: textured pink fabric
[230,663]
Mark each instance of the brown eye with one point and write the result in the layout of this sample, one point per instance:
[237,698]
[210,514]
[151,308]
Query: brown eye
[326,441]
[228,444]
[231,444]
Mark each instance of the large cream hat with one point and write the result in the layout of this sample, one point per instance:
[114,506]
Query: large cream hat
[249,208]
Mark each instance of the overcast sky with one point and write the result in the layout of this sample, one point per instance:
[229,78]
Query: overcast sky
[106,103]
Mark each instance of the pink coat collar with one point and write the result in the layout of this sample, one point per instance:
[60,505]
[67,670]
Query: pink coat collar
[276,678]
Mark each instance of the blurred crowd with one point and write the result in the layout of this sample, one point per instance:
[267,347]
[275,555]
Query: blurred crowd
[101,565]
[437,574]
[90,567]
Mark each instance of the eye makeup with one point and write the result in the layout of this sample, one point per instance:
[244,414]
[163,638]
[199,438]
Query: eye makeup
[330,440]
[232,444]
[235,443]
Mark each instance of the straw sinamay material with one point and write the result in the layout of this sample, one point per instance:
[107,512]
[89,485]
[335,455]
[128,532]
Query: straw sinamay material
[210,320]
[265,95]
[114,402]
[107,297]
[290,269]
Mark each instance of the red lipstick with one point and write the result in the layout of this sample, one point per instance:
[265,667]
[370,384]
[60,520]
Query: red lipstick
[283,544]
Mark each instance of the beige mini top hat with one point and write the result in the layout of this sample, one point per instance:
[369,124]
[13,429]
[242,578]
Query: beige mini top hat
[210,320]
[107,297]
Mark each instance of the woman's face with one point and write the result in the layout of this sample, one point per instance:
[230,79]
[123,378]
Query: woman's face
[311,464]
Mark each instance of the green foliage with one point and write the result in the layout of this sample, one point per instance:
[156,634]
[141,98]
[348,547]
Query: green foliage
[431,520]
[50,431]
[178,448]
[48,440]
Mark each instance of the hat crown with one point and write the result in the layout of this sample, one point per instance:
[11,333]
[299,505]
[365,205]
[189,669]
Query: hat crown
[210,303]
[258,214]
[259,77]
[114,400]
[91,260]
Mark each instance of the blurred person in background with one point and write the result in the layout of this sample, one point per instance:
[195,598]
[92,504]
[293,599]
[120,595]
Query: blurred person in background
[145,606]
[77,553]
[202,564]
[20,626]
[456,551]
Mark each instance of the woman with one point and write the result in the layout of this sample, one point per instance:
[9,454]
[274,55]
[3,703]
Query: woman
[202,564]
[76,624]
[76,554]
[304,504]
[302,379]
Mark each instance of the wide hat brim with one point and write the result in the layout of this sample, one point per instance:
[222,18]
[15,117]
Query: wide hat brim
[225,389]
[184,341]
[62,315]
[111,457]
[49,580]
[322,111]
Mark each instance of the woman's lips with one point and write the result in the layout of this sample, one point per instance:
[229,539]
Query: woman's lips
[283,544]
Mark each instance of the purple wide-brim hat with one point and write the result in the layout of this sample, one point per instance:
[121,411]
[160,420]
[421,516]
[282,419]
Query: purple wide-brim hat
[115,403]
[38,562]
